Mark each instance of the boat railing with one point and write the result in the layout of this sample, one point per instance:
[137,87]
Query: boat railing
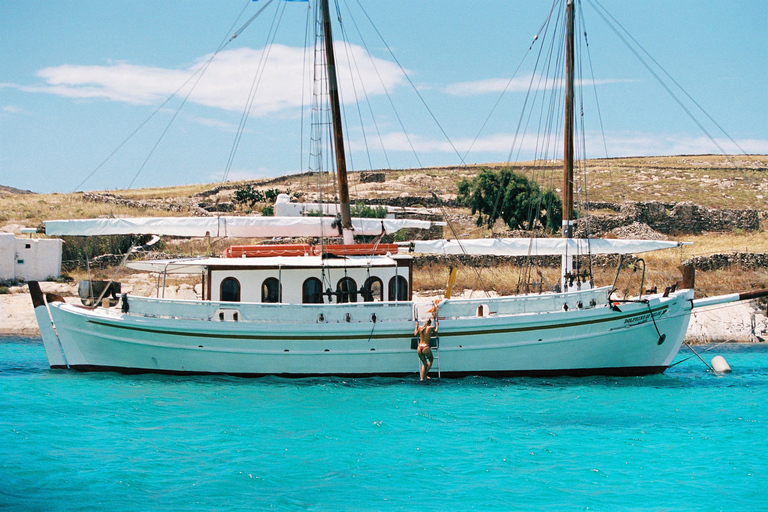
[351,312]
[521,304]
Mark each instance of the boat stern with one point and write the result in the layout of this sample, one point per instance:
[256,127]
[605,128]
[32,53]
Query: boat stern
[48,333]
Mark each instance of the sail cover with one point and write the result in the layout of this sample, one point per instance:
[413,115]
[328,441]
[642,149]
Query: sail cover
[540,246]
[240,227]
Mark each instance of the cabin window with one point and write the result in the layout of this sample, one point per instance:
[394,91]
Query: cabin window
[230,290]
[312,291]
[346,290]
[373,290]
[398,288]
[271,290]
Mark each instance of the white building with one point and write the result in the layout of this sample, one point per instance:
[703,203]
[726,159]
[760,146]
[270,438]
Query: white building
[29,259]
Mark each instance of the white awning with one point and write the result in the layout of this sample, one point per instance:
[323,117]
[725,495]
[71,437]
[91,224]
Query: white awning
[240,227]
[540,246]
[198,265]
[191,266]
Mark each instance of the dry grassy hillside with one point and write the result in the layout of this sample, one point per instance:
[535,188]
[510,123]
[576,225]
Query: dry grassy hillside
[706,180]
[712,181]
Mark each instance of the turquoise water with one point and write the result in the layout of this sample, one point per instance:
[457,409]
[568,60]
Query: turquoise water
[685,440]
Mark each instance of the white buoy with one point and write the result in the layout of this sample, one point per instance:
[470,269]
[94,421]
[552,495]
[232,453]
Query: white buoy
[720,365]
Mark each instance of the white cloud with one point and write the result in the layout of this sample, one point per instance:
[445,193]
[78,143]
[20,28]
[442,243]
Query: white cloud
[11,109]
[225,84]
[677,144]
[497,146]
[215,123]
[522,84]
[244,174]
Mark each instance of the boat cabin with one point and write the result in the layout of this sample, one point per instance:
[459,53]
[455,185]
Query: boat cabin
[282,274]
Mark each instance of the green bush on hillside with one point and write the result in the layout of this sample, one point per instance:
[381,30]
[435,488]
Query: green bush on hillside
[511,197]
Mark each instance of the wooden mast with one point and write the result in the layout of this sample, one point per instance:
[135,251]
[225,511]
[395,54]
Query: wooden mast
[338,135]
[566,276]
[568,134]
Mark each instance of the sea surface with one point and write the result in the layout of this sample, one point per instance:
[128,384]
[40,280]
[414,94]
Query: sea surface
[685,440]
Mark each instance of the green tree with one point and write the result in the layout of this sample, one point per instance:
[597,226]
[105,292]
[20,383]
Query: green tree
[511,197]
[248,195]
[364,211]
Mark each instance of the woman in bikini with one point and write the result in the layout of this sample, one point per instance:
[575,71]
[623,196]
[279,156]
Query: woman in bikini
[424,351]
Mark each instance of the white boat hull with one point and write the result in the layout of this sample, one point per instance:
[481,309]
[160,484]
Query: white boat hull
[169,336]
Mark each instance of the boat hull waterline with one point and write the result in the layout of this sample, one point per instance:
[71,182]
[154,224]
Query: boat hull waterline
[371,339]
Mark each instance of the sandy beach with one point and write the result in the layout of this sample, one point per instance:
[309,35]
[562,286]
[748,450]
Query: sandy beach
[17,316]
[739,322]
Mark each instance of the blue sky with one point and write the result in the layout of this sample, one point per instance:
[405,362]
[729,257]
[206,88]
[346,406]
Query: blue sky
[78,77]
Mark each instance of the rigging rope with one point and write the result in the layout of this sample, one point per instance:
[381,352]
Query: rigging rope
[365,92]
[258,75]
[351,60]
[201,71]
[603,13]
[413,86]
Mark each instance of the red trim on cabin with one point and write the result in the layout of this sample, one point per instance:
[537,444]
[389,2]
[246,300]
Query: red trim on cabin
[260,251]
[357,249]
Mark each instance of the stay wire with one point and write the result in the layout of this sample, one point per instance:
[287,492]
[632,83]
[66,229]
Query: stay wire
[199,71]
[681,88]
[354,94]
[352,61]
[495,211]
[304,74]
[413,86]
[541,79]
[365,91]
[173,117]
[657,77]
[258,75]
[501,96]
[247,23]
[512,78]
[599,114]
[386,91]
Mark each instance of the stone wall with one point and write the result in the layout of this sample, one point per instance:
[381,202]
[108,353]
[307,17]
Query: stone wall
[413,201]
[488,261]
[197,209]
[372,177]
[744,260]
[667,218]
[670,218]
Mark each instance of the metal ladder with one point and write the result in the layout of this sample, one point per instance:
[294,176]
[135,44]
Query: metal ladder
[436,350]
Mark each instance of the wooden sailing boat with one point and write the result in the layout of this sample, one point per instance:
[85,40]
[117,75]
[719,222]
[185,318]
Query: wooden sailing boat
[347,310]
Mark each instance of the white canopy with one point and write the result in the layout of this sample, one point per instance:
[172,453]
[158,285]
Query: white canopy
[198,265]
[241,227]
[540,246]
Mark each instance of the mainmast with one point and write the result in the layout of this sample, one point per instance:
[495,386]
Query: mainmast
[567,264]
[338,135]
[568,134]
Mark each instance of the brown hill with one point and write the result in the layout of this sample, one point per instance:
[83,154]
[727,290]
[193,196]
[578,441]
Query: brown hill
[739,182]
[11,190]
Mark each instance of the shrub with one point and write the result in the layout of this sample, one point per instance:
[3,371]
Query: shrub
[78,248]
[364,211]
[401,235]
[248,196]
[512,197]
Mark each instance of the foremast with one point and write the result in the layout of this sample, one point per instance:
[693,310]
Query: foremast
[338,135]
